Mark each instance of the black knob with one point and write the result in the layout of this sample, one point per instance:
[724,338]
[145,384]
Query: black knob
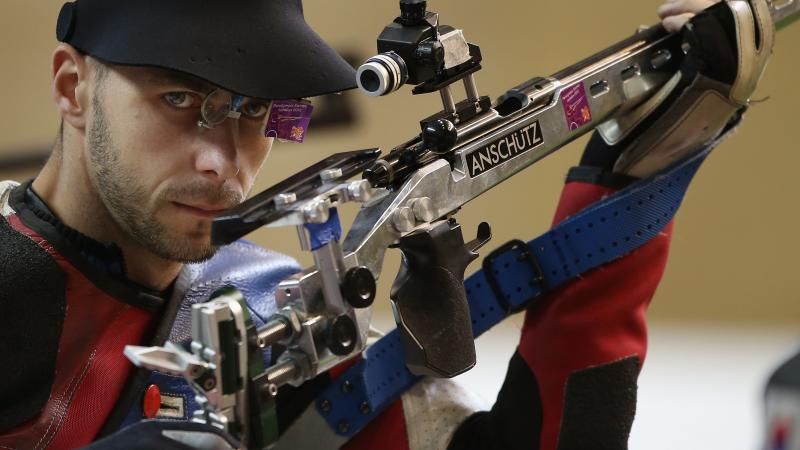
[430,52]
[379,175]
[358,287]
[412,12]
[439,135]
[341,336]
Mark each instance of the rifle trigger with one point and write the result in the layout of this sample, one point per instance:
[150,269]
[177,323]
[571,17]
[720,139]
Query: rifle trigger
[484,236]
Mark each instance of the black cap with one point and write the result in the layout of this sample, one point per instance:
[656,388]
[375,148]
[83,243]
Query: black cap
[257,48]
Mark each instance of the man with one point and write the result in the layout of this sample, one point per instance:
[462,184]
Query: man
[109,245]
[128,195]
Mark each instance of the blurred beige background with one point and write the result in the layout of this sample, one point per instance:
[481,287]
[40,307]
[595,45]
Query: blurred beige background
[735,246]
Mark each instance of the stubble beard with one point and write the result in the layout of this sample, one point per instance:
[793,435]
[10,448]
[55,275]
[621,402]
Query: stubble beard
[127,202]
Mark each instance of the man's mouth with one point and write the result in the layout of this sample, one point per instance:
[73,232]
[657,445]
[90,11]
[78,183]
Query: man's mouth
[202,210]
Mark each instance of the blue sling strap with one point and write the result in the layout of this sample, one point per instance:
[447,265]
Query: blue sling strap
[513,277]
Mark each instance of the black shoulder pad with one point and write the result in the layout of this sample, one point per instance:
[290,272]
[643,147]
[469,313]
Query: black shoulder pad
[32,308]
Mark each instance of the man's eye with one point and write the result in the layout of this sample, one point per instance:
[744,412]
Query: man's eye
[254,109]
[182,99]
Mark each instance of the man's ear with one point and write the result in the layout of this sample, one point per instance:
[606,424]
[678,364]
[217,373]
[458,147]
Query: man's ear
[71,85]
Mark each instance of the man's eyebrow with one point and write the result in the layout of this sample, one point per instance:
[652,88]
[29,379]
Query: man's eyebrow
[174,79]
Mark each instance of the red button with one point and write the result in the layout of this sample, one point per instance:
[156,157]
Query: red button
[152,402]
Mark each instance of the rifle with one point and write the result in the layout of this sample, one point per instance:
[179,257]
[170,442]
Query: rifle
[409,199]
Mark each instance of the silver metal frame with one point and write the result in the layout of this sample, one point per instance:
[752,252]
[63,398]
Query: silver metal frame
[615,80]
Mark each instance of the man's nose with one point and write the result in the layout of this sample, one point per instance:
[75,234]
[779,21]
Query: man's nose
[218,157]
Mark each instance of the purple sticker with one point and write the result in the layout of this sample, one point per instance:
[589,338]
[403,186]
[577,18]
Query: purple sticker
[288,120]
[576,106]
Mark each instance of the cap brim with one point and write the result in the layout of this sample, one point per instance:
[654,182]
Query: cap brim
[257,48]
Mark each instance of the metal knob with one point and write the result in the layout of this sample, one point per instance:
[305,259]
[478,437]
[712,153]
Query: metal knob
[341,336]
[439,135]
[358,287]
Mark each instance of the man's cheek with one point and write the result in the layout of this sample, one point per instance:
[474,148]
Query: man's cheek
[250,176]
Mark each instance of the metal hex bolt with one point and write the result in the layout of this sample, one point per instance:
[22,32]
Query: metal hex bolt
[364,408]
[360,190]
[285,198]
[347,386]
[403,219]
[423,209]
[330,174]
[316,212]
[294,320]
[343,426]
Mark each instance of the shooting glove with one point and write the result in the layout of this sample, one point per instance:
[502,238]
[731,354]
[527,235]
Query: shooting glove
[727,45]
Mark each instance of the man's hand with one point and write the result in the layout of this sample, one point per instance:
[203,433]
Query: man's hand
[675,13]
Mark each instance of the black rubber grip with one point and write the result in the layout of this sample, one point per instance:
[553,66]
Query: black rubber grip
[430,304]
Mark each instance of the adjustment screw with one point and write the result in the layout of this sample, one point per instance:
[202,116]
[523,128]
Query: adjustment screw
[358,287]
[285,199]
[423,209]
[269,391]
[330,174]
[360,190]
[325,405]
[343,426]
[341,335]
[403,219]
[364,408]
[347,386]
[316,212]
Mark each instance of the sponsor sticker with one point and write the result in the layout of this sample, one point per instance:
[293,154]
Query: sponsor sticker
[576,106]
[288,120]
[503,149]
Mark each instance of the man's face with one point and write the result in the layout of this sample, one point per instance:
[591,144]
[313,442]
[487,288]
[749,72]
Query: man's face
[161,177]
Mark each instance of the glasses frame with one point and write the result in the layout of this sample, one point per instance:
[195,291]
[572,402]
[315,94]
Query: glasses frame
[231,106]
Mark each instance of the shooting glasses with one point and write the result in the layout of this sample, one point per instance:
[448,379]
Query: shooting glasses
[221,104]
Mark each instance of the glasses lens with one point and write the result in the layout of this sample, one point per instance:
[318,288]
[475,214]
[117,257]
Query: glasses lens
[216,107]
[221,104]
